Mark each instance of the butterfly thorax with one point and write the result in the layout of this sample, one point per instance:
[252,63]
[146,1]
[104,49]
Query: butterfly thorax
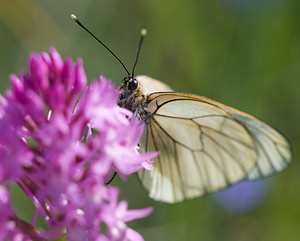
[131,98]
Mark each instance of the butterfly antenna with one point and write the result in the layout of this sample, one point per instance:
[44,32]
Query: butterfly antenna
[81,25]
[143,34]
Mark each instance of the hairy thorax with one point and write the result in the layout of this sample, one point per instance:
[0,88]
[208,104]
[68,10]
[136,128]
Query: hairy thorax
[136,102]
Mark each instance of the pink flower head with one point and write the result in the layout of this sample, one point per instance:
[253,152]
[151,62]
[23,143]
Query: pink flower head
[61,149]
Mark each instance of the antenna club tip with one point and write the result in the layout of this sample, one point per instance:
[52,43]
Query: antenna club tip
[143,32]
[73,16]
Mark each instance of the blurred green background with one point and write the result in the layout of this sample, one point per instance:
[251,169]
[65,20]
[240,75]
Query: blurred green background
[244,53]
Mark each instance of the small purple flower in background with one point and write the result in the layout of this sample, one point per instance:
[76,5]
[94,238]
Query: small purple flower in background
[61,151]
[243,197]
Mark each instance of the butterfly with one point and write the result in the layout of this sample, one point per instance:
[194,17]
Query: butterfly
[204,145]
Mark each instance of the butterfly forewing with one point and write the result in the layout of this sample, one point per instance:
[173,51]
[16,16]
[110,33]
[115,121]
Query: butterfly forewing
[273,149]
[198,152]
[204,145]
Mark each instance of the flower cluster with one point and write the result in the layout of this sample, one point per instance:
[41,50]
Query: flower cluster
[61,152]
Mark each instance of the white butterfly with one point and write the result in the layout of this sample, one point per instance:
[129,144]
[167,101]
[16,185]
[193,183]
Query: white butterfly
[204,145]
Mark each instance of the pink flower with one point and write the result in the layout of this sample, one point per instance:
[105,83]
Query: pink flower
[115,215]
[61,151]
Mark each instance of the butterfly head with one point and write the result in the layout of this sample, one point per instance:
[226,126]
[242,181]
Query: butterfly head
[129,90]
[130,84]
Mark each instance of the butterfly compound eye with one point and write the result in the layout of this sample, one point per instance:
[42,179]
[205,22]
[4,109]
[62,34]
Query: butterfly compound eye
[133,85]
